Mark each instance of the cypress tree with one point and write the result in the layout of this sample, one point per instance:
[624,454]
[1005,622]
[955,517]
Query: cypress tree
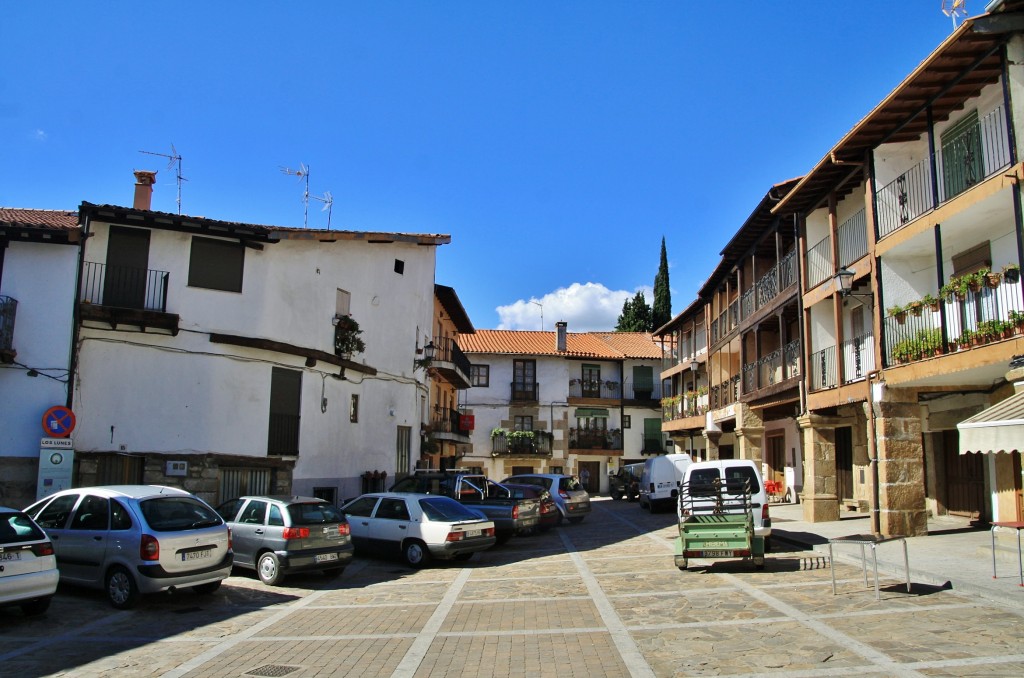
[661,311]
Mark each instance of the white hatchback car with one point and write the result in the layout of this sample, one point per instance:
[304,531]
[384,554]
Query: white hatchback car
[134,539]
[417,526]
[28,568]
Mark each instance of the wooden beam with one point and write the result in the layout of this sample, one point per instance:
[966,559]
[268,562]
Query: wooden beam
[290,349]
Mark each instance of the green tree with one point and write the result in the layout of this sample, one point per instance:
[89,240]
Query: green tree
[635,316]
[661,311]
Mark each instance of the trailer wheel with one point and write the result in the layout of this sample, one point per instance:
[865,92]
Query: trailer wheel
[758,562]
[681,563]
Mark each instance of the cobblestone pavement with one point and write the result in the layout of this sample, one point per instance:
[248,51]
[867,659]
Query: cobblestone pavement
[601,598]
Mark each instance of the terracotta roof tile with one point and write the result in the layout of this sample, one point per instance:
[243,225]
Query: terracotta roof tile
[597,345]
[32,218]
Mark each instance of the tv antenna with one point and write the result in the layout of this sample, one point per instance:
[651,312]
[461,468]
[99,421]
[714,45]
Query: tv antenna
[174,161]
[328,201]
[301,173]
[953,9]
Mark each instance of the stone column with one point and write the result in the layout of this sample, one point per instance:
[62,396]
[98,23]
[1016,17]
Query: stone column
[749,433]
[712,438]
[901,490]
[820,500]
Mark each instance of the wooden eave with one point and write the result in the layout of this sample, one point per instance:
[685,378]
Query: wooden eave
[311,355]
[16,232]
[450,302]
[954,72]
[422,239]
[127,216]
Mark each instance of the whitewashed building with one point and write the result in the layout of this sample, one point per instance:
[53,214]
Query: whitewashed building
[38,260]
[562,402]
[218,356]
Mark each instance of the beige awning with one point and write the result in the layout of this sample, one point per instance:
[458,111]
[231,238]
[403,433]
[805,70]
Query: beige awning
[999,428]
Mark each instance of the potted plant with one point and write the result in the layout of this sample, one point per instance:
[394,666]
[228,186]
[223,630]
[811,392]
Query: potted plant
[915,307]
[1011,273]
[346,337]
[966,339]
[1016,318]
[898,312]
[976,280]
[991,278]
[931,302]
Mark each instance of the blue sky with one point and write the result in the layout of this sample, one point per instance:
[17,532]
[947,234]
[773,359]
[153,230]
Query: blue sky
[557,142]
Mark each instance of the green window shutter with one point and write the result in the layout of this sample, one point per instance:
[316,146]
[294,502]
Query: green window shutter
[643,378]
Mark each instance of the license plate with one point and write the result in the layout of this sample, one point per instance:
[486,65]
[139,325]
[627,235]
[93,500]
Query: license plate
[472,533]
[715,544]
[7,557]
[716,554]
[324,557]
[196,555]
[331,532]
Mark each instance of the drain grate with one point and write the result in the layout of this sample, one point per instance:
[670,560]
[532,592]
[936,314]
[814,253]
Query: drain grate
[272,670]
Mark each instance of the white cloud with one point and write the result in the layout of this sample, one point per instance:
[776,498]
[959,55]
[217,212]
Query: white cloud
[39,135]
[586,307]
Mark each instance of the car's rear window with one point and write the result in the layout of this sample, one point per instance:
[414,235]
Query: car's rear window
[443,508]
[16,527]
[175,514]
[314,514]
[735,477]
[570,484]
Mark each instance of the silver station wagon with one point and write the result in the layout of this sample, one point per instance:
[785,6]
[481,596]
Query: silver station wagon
[135,539]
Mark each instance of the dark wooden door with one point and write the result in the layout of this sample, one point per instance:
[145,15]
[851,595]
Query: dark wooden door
[592,476]
[777,461]
[965,479]
[844,462]
[124,279]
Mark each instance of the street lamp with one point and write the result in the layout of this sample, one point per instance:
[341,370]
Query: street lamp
[844,283]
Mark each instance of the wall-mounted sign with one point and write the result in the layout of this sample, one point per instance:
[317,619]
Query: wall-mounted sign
[55,468]
[176,468]
[467,422]
[58,422]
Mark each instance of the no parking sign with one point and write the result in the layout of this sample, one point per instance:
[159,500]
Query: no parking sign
[58,422]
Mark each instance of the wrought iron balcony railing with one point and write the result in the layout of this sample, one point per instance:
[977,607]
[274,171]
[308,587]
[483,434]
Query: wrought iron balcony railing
[644,390]
[858,357]
[819,262]
[8,312]
[524,391]
[446,420]
[595,439]
[124,287]
[594,388]
[823,369]
[852,235]
[980,151]
[446,350]
[530,443]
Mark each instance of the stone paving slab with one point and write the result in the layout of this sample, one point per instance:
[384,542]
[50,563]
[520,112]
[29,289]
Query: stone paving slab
[370,658]
[641,611]
[381,595]
[535,588]
[332,621]
[563,655]
[742,649]
[520,616]
[96,658]
[651,563]
[939,634]
[546,568]
[668,581]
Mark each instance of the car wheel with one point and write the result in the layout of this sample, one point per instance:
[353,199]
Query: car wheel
[681,563]
[616,496]
[416,553]
[332,572]
[35,607]
[463,556]
[121,588]
[268,567]
[576,521]
[758,562]
[206,589]
[502,537]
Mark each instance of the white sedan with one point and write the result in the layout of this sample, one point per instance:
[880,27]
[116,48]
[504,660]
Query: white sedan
[417,526]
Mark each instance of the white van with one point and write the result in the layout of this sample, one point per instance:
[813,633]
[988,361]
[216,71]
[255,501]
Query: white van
[704,473]
[659,483]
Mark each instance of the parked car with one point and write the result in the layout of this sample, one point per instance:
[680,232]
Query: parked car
[28,567]
[417,526]
[135,539]
[549,515]
[626,482]
[511,516]
[279,535]
[572,500]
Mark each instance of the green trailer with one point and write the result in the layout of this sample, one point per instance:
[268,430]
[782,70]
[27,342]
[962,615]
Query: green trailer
[716,520]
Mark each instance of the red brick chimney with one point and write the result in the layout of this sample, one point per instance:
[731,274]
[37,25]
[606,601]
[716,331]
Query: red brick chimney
[144,181]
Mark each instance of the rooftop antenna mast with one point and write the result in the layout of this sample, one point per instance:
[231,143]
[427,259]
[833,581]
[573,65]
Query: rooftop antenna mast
[301,173]
[328,201]
[174,161]
[954,9]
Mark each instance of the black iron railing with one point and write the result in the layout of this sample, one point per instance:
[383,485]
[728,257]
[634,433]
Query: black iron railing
[852,236]
[8,312]
[819,262]
[537,443]
[858,357]
[446,420]
[823,369]
[124,287]
[524,391]
[446,350]
[978,152]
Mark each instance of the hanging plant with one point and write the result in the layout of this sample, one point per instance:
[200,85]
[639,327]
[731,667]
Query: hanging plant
[346,337]
[1011,273]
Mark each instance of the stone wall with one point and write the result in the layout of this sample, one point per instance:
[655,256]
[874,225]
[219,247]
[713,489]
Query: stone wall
[18,477]
[901,483]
